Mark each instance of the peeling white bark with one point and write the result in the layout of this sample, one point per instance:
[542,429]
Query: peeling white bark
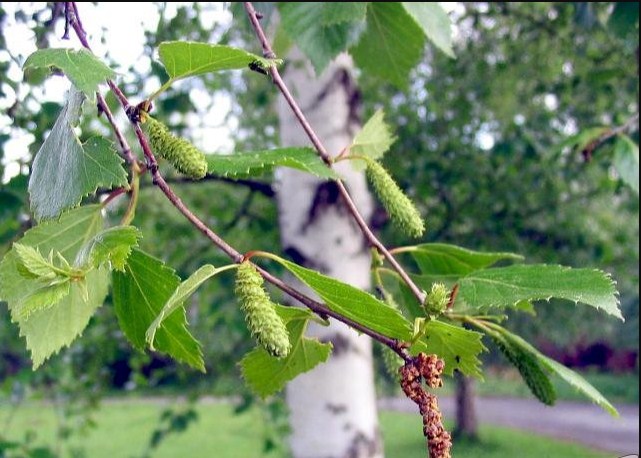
[332,408]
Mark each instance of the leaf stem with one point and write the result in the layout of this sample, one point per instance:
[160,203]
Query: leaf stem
[162,89]
[133,200]
[403,249]
[112,195]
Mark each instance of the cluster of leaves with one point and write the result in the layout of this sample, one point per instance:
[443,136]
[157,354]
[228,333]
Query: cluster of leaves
[59,273]
[386,39]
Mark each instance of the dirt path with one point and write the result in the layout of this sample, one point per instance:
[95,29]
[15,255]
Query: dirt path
[576,422]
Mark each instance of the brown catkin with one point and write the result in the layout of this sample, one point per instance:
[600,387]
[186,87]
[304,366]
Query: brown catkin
[184,156]
[260,312]
[399,207]
[430,368]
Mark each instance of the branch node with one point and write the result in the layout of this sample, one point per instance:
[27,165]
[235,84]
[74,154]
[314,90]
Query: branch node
[152,166]
[65,36]
[133,113]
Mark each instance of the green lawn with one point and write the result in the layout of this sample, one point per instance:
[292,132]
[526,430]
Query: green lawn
[123,429]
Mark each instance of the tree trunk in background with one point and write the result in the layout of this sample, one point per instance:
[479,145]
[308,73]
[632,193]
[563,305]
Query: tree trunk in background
[466,420]
[332,408]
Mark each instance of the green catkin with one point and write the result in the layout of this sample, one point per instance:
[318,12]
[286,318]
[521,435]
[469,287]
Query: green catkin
[400,208]
[391,360]
[260,312]
[536,380]
[184,156]
[392,363]
[437,299]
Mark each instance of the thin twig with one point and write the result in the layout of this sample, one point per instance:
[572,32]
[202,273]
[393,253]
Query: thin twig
[630,125]
[240,213]
[112,195]
[453,294]
[122,141]
[325,156]
[152,166]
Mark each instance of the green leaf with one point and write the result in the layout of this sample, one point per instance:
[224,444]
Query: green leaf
[281,43]
[451,260]
[507,286]
[458,347]
[140,292]
[331,13]
[374,139]
[566,374]
[391,45]
[267,375]
[32,264]
[182,293]
[626,161]
[48,330]
[580,384]
[624,20]
[41,299]
[353,303]
[434,21]
[402,294]
[426,281]
[111,245]
[320,42]
[84,69]
[183,59]
[533,372]
[256,163]
[65,170]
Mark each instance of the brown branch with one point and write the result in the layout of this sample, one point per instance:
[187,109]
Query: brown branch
[152,166]
[325,156]
[122,141]
[630,125]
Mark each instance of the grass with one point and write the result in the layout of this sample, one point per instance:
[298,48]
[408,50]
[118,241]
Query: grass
[123,430]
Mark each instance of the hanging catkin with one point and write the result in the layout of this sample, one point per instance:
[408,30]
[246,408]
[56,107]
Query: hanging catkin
[399,207]
[536,379]
[260,312]
[184,156]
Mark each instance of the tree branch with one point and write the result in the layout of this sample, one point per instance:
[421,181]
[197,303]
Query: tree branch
[325,156]
[630,125]
[152,166]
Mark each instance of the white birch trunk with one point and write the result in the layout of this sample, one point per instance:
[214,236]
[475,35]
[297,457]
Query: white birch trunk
[332,408]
